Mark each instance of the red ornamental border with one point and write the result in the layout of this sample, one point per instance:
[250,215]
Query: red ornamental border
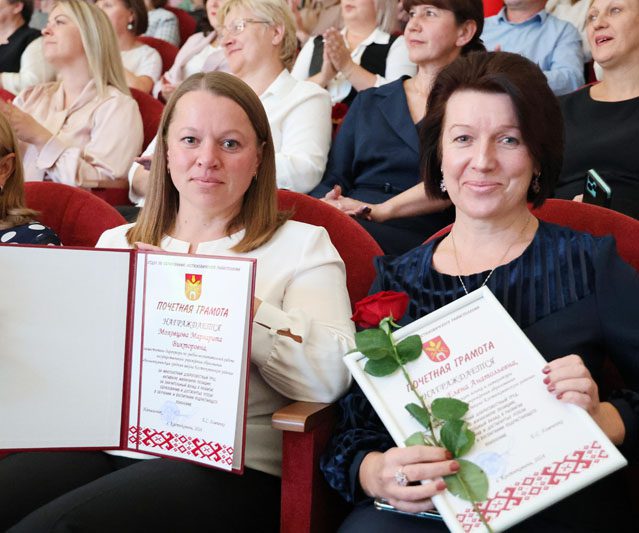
[531,486]
[173,442]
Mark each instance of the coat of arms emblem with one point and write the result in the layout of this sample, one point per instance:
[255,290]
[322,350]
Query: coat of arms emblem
[193,286]
[436,349]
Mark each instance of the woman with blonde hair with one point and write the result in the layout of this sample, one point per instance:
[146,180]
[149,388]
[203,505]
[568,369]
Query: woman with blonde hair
[84,129]
[258,37]
[18,224]
[364,54]
[213,192]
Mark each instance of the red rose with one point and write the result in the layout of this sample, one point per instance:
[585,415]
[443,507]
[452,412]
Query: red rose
[372,309]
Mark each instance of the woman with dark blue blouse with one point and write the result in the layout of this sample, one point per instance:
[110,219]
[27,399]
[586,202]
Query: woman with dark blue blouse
[17,223]
[491,143]
[375,155]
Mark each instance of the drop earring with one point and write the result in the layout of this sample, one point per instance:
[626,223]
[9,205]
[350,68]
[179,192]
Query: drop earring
[535,185]
[129,26]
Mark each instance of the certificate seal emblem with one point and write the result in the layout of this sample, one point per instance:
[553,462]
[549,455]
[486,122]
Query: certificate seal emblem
[193,286]
[436,349]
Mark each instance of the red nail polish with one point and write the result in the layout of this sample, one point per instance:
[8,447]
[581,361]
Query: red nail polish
[546,380]
[560,395]
[454,466]
[440,485]
[449,455]
[551,388]
[546,370]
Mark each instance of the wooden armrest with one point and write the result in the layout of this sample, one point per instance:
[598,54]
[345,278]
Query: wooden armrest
[302,417]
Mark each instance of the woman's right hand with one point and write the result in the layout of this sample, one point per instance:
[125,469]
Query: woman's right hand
[379,473]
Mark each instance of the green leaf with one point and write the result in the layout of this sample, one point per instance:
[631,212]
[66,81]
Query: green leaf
[373,343]
[470,441]
[415,439]
[448,408]
[419,413]
[470,483]
[452,436]
[409,349]
[381,367]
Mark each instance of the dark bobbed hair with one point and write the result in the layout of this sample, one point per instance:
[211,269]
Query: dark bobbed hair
[140,17]
[27,9]
[158,3]
[463,10]
[536,107]
[259,215]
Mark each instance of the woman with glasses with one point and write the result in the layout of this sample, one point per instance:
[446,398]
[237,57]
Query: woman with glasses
[259,42]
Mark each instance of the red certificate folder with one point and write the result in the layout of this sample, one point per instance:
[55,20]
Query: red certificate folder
[125,350]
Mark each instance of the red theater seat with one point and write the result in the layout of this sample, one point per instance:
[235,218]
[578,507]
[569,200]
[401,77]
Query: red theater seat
[166,50]
[151,111]
[76,215]
[308,503]
[186,22]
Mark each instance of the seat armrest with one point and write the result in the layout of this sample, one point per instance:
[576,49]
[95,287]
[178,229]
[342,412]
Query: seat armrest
[303,417]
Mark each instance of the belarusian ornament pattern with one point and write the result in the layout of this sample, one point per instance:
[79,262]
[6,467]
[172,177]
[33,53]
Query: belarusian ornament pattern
[174,442]
[532,486]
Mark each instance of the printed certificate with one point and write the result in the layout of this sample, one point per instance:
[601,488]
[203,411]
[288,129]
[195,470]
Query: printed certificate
[118,349]
[535,449]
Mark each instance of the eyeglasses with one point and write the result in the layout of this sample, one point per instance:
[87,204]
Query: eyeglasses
[238,26]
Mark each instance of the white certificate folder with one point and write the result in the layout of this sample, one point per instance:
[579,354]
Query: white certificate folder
[535,449]
[125,350]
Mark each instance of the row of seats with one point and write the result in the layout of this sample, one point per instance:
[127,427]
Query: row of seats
[307,503]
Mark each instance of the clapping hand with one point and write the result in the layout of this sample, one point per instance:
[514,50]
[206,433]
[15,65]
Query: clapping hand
[26,128]
[337,52]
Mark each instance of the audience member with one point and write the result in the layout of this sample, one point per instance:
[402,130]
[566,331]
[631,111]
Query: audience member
[525,27]
[18,224]
[142,63]
[15,33]
[40,15]
[212,192]
[375,155]
[34,69]
[575,12]
[259,41]
[602,121]
[201,53]
[84,129]
[162,23]
[363,55]
[492,141]
[314,17]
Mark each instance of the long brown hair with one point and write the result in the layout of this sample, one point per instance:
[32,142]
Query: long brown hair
[13,211]
[258,215]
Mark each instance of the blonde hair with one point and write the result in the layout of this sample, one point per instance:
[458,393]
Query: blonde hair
[275,12]
[12,203]
[100,44]
[258,215]
[386,14]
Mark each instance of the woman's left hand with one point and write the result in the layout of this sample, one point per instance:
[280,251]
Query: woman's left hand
[337,52]
[351,207]
[26,128]
[570,380]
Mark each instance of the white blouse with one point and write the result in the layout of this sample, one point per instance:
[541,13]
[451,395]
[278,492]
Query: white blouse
[301,281]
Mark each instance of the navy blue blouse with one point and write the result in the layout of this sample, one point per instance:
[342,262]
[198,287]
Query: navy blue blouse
[569,292]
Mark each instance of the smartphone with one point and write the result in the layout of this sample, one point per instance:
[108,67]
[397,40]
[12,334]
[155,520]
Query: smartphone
[383,505]
[596,190]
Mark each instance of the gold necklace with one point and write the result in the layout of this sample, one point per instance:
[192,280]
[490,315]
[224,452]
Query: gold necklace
[452,239]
